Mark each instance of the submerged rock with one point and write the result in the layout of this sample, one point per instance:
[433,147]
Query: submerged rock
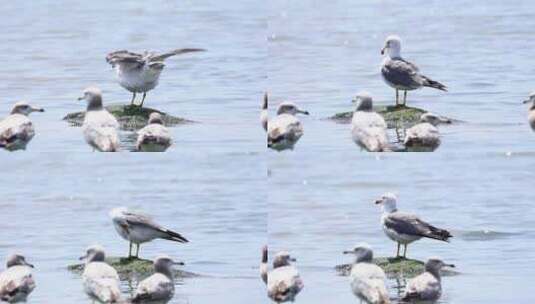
[395,267]
[130,117]
[395,116]
[132,268]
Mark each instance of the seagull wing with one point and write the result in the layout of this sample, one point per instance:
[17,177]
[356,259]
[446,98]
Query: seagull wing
[142,220]
[401,72]
[410,224]
[125,57]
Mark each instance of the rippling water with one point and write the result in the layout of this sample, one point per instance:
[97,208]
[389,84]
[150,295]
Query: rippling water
[477,183]
[210,185]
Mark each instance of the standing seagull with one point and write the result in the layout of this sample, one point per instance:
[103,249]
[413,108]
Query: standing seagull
[367,279]
[264,113]
[160,286]
[16,282]
[284,281]
[154,137]
[100,127]
[368,128]
[140,73]
[531,115]
[424,135]
[427,286]
[138,228]
[101,281]
[405,228]
[264,265]
[401,74]
[17,130]
[285,129]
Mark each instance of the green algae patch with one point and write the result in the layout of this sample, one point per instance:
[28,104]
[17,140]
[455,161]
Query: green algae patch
[131,268]
[396,267]
[130,117]
[395,116]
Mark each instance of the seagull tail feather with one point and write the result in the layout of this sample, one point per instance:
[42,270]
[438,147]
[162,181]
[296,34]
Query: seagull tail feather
[174,53]
[434,84]
[438,234]
[174,236]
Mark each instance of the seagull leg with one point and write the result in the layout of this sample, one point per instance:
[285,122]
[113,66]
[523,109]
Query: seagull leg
[130,250]
[133,98]
[405,251]
[404,97]
[397,253]
[137,250]
[142,100]
[397,97]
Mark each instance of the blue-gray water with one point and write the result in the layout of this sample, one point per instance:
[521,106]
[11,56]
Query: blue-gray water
[321,195]
[211,185]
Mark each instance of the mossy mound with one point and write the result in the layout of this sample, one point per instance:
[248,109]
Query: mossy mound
[131,268]
[130,117]
[395,267]
[395,116]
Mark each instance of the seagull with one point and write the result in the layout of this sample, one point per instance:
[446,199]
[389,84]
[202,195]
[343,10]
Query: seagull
[427,286]
[401,74]
[160,286]
[101,281]
[368,128]
[285,129]
[284,281]
[425,134]
[264,265]
[100,127]
[16,130]
[140,73]
[16,282]
[531,115]
[264,113]
[139,228]
[154,137]
[405,228]
[367,279]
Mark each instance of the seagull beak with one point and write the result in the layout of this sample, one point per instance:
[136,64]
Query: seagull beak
[29,265]
[377,202]
[348,252]
[303,112]
[525,101]
[293,260]
[38,109]
[179,263]
[450,265]
[81,98]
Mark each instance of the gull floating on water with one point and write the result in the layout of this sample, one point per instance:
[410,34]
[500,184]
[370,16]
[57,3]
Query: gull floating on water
[531,115]
[284,281]
[368,128]
[16,282]
[264,268]
[154,137]
[100,127]
[101,281]
[140,73]
[139,228]
[425,134]
[16,130]
[284,130]
[401,74]
[160,286]
[427,286]
[264,113]
[405,228]
[367,279]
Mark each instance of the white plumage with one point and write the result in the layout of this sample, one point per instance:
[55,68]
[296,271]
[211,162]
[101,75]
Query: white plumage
[101,281]
[368,129]
[154,137]
[159,286]
[284,281]
[16,130]
[284,130]
[16,282]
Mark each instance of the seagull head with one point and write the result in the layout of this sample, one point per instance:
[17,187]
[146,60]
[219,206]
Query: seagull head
[93,97]
[392,46]
[363,252]
[24,108]
[290,108]
[17,260]
[94,253]
[164,264]
[282,259]
[155,118]
[531,100]
[117,212]
[364,101]
[387,202]
[435,264]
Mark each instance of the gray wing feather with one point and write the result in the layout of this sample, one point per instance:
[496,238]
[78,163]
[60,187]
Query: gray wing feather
[402,73]
[407,224]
